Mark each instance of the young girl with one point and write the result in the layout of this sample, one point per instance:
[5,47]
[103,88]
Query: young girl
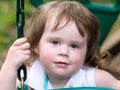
[62,39]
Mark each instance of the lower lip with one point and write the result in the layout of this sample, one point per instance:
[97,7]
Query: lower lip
[60,64]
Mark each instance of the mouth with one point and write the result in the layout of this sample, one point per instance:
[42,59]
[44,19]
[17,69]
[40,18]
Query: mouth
[61,64]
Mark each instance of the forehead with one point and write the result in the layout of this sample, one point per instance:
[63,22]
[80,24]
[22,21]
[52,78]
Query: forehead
[53,24]
[64,28]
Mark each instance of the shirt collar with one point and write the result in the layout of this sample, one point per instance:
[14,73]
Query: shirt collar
[37,78]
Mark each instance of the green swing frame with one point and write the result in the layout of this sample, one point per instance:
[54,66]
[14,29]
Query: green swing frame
[107,16]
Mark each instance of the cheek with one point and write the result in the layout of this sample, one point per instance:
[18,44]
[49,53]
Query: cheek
[78,58]
[46,54]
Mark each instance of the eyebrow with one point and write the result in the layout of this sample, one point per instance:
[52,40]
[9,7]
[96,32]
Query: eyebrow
[54,37]
[78,42]
[73,41]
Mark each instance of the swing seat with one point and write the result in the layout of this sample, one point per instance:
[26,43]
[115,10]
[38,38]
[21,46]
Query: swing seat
[24,88]
[85,88]
[77,88]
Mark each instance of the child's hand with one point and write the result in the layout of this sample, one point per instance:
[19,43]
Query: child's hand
[18,53]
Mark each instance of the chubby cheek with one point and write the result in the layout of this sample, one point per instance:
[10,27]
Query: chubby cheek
[46,55]
[78,59]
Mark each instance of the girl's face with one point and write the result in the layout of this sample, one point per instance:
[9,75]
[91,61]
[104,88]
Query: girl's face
[62,52]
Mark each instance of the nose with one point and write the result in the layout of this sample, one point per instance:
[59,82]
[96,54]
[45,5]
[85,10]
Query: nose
[64,50]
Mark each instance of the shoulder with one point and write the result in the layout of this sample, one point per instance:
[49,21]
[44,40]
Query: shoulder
[105,79]
[88,71]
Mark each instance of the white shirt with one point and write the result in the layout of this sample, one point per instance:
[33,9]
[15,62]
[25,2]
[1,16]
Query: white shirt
[37,79]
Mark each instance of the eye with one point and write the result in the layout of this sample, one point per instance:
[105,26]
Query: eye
[55,42]
[74,46]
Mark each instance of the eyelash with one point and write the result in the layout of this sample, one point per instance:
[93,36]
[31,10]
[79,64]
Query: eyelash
[74,46]
[55,42]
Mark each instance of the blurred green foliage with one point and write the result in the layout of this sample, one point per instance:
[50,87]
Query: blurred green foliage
[8,29]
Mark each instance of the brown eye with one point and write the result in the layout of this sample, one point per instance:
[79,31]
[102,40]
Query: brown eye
[74,46]
[55,42]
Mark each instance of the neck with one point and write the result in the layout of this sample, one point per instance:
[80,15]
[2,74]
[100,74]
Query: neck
[58,82]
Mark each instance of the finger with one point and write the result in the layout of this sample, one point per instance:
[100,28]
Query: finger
[24,46]
[26,52]
[20,41]
[23,55]
[22,58]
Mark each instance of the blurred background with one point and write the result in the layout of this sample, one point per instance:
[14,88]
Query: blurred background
[8,29]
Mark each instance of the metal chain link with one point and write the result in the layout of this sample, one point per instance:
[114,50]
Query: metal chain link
[20,17]
[20,21]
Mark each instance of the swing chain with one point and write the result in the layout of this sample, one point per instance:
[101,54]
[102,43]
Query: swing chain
[20,17]
[20,21]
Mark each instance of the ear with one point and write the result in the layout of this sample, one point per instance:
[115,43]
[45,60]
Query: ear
[36,49]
